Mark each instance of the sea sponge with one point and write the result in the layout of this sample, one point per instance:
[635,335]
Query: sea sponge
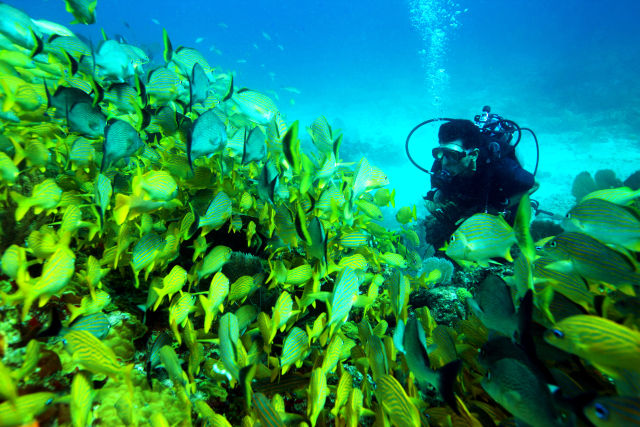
[444,265]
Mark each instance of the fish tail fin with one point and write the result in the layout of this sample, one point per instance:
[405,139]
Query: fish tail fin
[392,199]
[414,213]
[71,62]
[121,211]
[446,380]
[227,96]
[161,294]
[38,44]
[20,154]
[23,204]
[75,312]
[98,91]
[168,49]
[9,96]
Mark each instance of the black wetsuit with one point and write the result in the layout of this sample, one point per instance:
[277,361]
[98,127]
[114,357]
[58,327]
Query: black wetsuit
[490,188]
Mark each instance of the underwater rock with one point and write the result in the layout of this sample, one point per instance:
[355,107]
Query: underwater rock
[583,184]
[606,178]
[633,181]
[544,228]
[443,303]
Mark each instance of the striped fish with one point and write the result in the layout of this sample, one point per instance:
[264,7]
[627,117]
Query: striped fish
[229,334]
[294,350]
[154,354]
[285,225]
[214,261]
[355,262]
[124,97]
[81,401]
[241,288]
[623,196]
[93,355]
[82,152]
[171,364]
[96,324]
[56,273]
[25,408]
[328,167]
[361,178]
[299,275]
[613,411]
[235,224]
[343,297]
[605,221]
[569,284]
[284,384]
[218,212]
[354,239]
[600,341]
[330,197]
[316,395]
[370,209]
[332,354]
[377,179]
[321,135]
[345,385]
[396,403]
[256,106]
[184,58]
[481,237]
[8,170]
[44,196]
[8,388]
[591,259]
[162,85]
[102,195]
[159,185]
[71,45]
[180,309]
[171,283]
[42,243]
[13,260]
[71,219]
[246,202]
[29,363]
[265,411]
[214,301]
[145,253]
[246,315]
[120,140]
[394,260]
[282,311]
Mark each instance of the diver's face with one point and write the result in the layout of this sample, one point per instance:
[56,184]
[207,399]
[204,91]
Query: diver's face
[455,159]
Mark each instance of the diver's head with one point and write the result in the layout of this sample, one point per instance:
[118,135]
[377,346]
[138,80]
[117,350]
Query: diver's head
[459,142]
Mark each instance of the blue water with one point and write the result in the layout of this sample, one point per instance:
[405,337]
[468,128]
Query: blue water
[567,69]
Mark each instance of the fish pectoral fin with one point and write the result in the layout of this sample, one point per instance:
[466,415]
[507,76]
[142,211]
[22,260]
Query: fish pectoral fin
[562,266]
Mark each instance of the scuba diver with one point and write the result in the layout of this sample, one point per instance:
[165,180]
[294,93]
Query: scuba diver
[475,170]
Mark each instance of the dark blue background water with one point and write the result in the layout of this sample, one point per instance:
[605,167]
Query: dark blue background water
[569,66]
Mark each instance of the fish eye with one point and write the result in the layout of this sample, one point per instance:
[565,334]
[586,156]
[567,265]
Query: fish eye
[558,333]
[601,411]
[452,239]
[553,244]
